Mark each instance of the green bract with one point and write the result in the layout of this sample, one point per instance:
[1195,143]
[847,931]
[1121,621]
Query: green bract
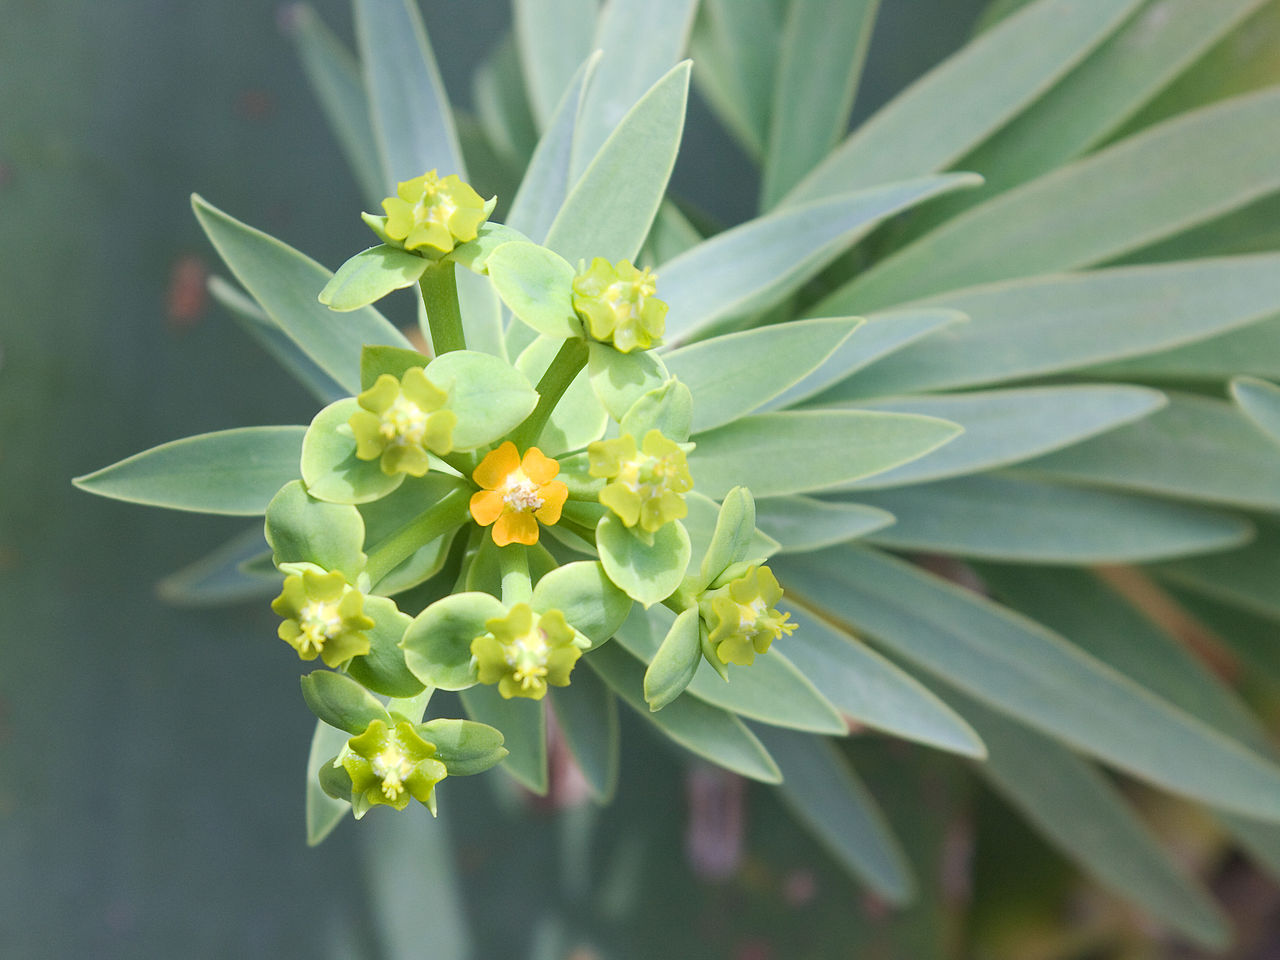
[620,305]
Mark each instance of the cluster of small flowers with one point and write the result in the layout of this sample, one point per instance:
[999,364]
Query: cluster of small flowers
[514,637]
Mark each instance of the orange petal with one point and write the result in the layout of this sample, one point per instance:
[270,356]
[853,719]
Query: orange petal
[538,467]
[497,466]
[513,527]
[486,506]
[553,494]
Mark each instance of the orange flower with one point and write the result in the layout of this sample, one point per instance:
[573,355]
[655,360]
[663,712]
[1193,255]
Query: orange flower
[517,494]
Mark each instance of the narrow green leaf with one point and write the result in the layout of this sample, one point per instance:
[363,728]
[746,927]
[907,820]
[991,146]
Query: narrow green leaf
[641,40]
[552,37]
[824,44]
[761,261]
[598,219]
[1254,350]
[674,662]
[800,524]
[1029,328]
[285,283]
[768,359]
[1097,209]
[882,335]
[715,735]
[1086,818]
[1245,578]
[370,275]
[501,106]
[335,79]
[1196,447]
[523,724]
[672,234]
[219,577]
[820,787]
[1009,426]
[834,447]
[871,690]
[546,179]
[233,472]
[1260,402]
[407,101]
[735,45]
[1030,673]
[1154,46]
[770,690]
[587,713]
[973,93]
[323,812]
[1024,521]
[275,341]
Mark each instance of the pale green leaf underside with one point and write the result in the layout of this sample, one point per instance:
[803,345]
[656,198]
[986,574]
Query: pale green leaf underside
[713,734]
[735,45]
[552,38]
[1254,350]
[410,112]
[960,102]
[323,812]
[766,258]
[1084,815]
[872,690]
[1029,328]
[1260,402]
[1007,426]
[609,210]
[218,577]
[286,283]
[587,712]
[1024,521]
[1155,184]
[776,454]
[732,375]
[1196,447]
[523,724]
[1028,672]
[824,793]
[234,472]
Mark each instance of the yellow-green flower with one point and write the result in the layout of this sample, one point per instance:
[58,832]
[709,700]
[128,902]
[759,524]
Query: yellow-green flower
[434,213]
[323,616]
[647,484]
[388,765]
[742,618]
[619,305]
[524,651]
[401,420]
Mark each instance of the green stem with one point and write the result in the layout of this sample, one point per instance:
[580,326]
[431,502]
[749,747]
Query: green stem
[448,513]
[567,364]
[440,297]
[513,562]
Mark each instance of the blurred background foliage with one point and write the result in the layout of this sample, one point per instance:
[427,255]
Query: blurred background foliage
[150,765]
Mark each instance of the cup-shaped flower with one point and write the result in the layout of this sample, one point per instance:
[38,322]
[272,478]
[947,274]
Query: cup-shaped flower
[390,764]
[524,651]
[400,420]
[619,304]
[323,616]
[742,618]
[433,214]
[517,492]
[647,484]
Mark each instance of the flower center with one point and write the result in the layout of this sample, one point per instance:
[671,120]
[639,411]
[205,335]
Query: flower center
[527,657]
[392,767]
[319,622]
[521,494]
[404,422]
[646,476]
[751,615]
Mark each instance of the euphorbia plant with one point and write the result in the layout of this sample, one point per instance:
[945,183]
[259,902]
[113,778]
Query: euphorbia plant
[612,443]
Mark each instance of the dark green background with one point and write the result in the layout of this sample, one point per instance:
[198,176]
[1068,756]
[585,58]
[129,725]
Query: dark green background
[151,758]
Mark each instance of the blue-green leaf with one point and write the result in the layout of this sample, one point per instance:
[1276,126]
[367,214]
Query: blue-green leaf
[220,576]
[523,724]
[552,38]
[800,524]
[587,713]
[1260,400]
